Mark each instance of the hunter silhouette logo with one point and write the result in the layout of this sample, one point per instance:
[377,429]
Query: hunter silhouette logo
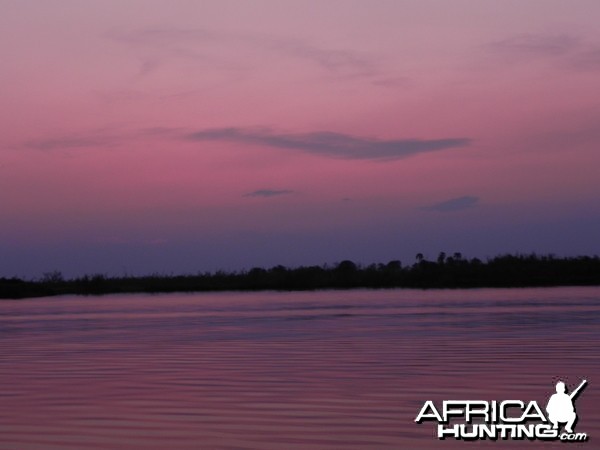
[507,419]
[560,406]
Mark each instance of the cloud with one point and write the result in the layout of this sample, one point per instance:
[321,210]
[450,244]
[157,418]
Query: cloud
[588,59]
[163,45]
[337,61]
[269,193]
[537,45]
[454,204]
[74,141]
[148,66]
[100,138]
[331,144]
[189,42]
[161,36]
[572,51]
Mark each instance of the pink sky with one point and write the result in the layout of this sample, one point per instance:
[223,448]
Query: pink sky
[180,136]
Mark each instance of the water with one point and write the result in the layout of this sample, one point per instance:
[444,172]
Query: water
[323,370]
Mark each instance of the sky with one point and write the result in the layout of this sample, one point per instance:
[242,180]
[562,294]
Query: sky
[180,136]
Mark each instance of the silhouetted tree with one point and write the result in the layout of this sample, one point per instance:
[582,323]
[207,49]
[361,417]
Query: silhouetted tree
[441,258]
[394,265]
[55,276]
[346,266]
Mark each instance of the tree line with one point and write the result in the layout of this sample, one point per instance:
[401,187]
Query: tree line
[445,271]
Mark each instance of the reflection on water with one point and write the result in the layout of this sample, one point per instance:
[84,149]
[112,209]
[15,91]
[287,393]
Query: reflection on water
[326,370]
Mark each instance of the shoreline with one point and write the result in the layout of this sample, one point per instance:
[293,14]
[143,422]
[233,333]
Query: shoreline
[455,272]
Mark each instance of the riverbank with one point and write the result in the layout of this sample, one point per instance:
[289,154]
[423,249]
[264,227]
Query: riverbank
[444,272]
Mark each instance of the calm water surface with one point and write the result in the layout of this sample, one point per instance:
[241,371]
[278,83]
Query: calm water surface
[323,370]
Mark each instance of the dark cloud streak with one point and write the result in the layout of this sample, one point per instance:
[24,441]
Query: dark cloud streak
[454,204]
[331,144]
[269,193]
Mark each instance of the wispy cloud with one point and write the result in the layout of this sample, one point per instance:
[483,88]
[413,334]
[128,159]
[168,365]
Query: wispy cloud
[95,139]
[269,193]
[536,45]
[100,138]
[588,59]
[162,35]
[199,43]
[331,144]
[148,66]
[335,61]
[324,143]
[454,204]
[569,50]
[158,46]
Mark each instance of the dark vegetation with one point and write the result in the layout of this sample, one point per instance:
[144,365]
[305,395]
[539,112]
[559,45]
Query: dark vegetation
[444,272]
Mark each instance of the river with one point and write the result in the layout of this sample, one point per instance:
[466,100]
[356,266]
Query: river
[280,370]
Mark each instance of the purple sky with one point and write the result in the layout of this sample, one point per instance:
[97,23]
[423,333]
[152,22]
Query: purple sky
[184,136]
